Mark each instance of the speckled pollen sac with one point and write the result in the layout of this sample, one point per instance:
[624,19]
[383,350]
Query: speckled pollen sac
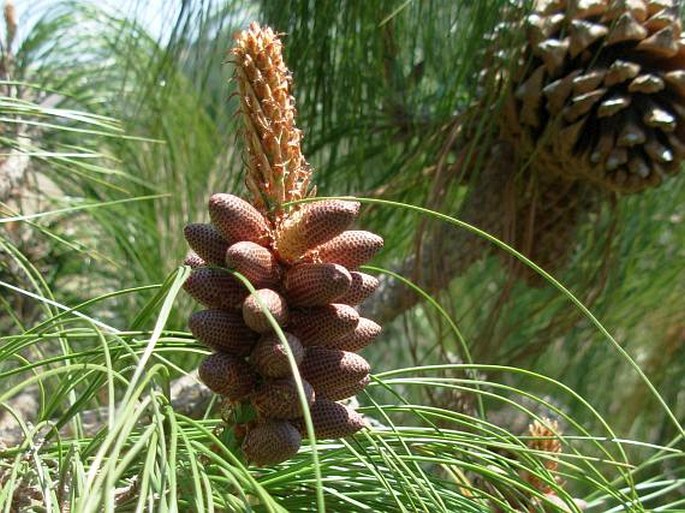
[236,219]
[332,371]
[270,357]
[362,285]
[363,334]
[300,259]
[256,306]
[331,420]
[207,242]
[215,288]
[223,331]
[279,399]
[271,442]
[351,248]
[228,375]
[313,224]
[253,261]
[324,324]
[316,284]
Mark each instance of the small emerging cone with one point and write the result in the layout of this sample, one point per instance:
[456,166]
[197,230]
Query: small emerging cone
[253,261]
[545,439]
[278,399]
[324,324]
[276,169]
[228,375]
[271,442]
[331,420]
[331,370]
[351,248]
[316,284]
[207,242]
[215,288]
[269,356]
[258,303]
[237,220]
[313,224]
[223,331]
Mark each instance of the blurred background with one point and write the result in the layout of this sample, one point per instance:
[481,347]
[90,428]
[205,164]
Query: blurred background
[119,122]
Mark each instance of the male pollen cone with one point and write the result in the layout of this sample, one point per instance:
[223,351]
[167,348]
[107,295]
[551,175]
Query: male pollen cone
[345,390]
[351,248]
[278,398]
[300,258]
[269,356]
[331,370]
[271,442]
[194,260]
[316,284]
[361,287]
[237,220]
[364,333]
[228,375]
[253,261]
[254,313]
[215,288]
[207,242]
[331,420]
[223,331]
[323,324]
[313,224]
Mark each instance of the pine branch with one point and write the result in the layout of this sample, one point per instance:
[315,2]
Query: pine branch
[446,252]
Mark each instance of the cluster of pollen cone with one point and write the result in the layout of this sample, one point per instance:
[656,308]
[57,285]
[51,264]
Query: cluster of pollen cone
[303,263]
[599,91]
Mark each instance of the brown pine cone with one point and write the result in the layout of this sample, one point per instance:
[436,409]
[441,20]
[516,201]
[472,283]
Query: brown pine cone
[599,93]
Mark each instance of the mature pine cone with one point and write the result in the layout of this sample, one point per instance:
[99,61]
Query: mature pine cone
[599,92]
